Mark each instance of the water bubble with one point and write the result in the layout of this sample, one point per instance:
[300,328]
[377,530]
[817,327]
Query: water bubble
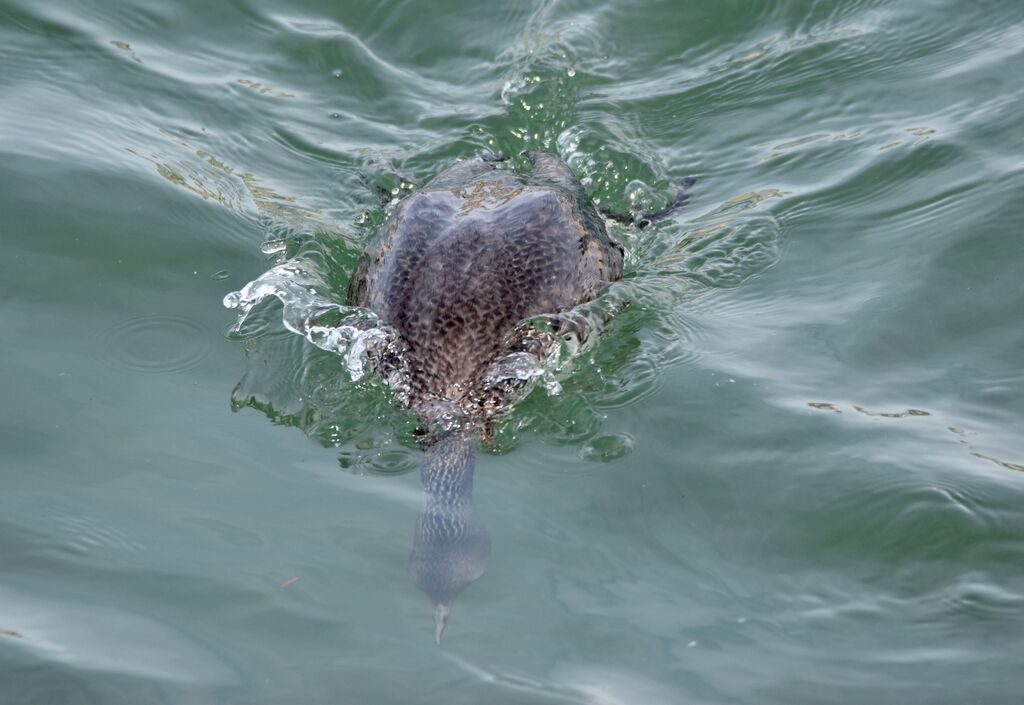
[273,247]
[571,72]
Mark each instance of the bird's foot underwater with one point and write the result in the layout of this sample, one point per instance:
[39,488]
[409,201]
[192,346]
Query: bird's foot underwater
[644,220]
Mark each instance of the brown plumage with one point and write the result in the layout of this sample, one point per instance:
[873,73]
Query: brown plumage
[474,252]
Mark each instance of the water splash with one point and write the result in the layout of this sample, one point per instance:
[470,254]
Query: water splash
[355,334]
[541,349]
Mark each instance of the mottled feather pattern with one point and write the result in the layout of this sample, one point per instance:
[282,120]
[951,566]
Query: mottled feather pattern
[477,250]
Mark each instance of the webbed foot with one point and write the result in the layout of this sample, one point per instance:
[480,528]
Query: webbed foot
[644,220]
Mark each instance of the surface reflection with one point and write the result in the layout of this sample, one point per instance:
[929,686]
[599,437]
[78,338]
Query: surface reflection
[451,545]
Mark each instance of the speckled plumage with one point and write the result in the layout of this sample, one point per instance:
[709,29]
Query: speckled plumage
[474,252]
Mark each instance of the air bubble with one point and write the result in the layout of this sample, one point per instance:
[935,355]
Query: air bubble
[273,247]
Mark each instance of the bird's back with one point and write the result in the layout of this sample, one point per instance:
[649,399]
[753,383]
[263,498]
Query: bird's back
[459,263]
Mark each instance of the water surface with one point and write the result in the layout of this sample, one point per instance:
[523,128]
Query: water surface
[791,471]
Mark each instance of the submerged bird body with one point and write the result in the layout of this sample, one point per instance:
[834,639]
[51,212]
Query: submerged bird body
[454,269]
[477,250]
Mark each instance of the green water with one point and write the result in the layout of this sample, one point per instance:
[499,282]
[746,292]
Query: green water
[790,472]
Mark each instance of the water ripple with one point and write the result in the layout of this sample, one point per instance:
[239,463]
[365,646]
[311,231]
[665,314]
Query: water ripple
[156,344]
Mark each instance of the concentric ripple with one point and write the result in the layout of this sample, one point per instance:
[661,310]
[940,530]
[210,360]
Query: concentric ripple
[156,344]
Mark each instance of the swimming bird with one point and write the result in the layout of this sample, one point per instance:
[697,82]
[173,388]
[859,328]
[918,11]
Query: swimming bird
[454,269]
